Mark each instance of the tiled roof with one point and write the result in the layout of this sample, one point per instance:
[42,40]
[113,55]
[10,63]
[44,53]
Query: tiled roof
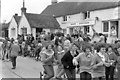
[42,21]
[17,18]
[68,8]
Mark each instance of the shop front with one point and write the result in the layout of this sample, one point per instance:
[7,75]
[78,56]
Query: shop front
[84,27]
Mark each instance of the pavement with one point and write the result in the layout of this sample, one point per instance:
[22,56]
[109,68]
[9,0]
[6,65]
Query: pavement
[26,68]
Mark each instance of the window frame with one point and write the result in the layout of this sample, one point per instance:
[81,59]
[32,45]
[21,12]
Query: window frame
[105,29]
[87,15]
[64,18]
[87,29]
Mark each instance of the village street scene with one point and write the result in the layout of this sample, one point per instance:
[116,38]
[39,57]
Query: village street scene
[60,40]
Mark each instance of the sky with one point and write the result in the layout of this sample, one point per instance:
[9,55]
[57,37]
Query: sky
[10,7]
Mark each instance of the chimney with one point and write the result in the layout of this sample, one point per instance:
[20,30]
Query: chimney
[54,2]
[23,9]
[16,14]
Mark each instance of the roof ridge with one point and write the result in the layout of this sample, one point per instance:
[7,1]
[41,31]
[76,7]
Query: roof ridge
[32,13]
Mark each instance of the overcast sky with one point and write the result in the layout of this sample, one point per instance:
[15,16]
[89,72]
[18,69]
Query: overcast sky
[10,7]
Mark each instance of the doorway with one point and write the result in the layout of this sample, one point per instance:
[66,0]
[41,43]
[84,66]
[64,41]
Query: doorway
[39,30]
[115,24]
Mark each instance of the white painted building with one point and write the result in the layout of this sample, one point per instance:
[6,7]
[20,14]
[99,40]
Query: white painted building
[33,23]
[29,23]
[86,15]
[13,27]
[106,19]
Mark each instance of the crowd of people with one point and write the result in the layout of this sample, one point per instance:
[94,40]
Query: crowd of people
[91,57]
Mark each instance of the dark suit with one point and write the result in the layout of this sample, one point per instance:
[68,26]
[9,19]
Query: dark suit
[68,65]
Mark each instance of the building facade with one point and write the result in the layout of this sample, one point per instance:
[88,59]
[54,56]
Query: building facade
[84,16]
[13,27]
[35,23]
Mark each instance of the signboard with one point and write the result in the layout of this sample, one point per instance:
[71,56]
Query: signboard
[82,23]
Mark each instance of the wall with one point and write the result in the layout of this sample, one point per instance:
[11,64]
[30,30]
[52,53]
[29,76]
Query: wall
[12,24]
[70,19]
[103,15]
[24,23]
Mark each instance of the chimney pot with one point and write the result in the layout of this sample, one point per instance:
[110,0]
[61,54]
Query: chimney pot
[16,14]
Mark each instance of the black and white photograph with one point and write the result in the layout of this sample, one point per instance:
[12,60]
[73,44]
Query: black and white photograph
[59,39]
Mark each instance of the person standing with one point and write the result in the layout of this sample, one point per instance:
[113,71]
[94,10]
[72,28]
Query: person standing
[8,50]
[109,71]
[113,35]
[14,53]
[4,50]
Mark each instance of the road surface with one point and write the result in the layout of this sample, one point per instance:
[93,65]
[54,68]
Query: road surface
[26,68]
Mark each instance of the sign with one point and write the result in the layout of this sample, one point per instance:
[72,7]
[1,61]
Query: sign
[86,23]
[82,23]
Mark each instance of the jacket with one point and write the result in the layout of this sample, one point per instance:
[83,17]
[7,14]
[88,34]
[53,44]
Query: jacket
[14,50]
[67,61]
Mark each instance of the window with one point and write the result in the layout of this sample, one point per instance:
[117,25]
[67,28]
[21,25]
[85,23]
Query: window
[87,14]
[105,26]
[64,18]
[87,29]
[24,31]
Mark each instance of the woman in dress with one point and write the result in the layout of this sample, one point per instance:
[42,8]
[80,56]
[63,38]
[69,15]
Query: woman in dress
[113,35]
[85,60]
[100,60]
[47,58]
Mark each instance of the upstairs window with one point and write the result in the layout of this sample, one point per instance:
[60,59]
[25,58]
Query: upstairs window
[64,18]
[105,26]
[87,14]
